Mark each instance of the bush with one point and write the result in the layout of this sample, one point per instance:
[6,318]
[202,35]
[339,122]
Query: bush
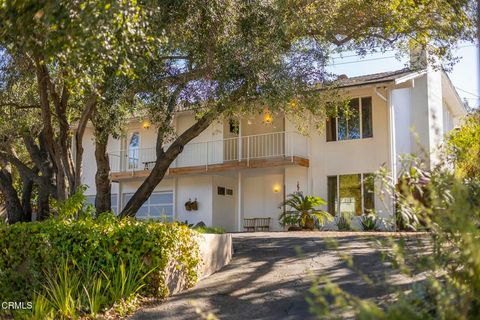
[448,263]
[369,222]
[33,256]
[344,222]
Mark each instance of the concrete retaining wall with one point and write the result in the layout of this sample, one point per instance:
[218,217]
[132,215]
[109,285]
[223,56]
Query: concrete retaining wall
[216,251]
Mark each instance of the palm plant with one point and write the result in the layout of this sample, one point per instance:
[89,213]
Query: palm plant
[301,210]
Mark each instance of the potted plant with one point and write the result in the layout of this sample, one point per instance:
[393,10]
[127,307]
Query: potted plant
[300,211]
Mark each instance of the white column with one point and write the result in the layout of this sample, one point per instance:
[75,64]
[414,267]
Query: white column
[239,201]
[120,198]
[391,128]
[239,140]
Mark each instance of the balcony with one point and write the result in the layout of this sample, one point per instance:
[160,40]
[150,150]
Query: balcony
[255,151]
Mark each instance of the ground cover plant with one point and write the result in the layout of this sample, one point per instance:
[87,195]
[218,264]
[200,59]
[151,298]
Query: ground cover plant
[80,267]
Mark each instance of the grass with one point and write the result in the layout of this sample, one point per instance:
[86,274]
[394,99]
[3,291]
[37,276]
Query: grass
[214,230]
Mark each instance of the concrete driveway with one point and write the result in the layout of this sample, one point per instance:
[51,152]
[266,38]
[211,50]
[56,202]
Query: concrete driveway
[270,275]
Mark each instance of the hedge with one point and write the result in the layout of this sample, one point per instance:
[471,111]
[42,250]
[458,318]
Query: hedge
[30,250]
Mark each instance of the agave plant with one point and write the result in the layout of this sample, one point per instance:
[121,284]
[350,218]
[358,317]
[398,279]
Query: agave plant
[301,210]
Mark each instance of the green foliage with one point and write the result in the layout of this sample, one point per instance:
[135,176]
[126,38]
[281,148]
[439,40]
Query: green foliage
[214,230]
[106,258]
[447,258]
[369,222]
[302,210]
[463,145]
[73,206]
[61,289]
[344,222]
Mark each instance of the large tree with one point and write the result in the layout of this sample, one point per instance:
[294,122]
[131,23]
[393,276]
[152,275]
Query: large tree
[64,53]
[228,57]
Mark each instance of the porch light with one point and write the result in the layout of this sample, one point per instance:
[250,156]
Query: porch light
[146,124]
[276,188]
[267,116]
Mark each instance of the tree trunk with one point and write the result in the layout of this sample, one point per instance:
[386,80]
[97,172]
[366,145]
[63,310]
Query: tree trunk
[27,189]
[102,177]
[163,162]
[82,124]
[43,206]
[12,202]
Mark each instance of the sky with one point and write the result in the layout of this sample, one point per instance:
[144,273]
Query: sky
[464,73]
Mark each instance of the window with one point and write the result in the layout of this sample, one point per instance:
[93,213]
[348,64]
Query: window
[234,126]
[158,206]
[353,123]
[113,199]
[221,191]
[351,193]
[229,192]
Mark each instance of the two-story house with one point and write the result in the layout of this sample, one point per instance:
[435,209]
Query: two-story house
[245,168]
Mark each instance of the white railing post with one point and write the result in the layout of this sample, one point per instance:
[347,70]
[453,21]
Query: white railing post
[206,165]
[248,151]
[291,146]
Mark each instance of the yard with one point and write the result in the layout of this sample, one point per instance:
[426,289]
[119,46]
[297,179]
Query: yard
[271,273]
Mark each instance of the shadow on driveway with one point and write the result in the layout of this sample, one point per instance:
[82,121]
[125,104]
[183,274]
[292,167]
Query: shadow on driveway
[270,275]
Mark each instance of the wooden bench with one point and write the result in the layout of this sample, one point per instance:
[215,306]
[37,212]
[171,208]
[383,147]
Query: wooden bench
[249,224]
[262,224]
[256,224]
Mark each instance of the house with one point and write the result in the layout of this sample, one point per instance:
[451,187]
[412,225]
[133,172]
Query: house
[244,168]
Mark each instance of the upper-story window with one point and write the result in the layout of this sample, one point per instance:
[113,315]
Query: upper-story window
[352,123]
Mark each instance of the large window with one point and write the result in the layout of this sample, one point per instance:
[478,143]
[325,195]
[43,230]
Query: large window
[158,206]
[351,193]
[355,122]
[113,199]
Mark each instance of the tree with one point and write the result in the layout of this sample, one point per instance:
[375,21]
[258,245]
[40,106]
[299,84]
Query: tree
[463,146]
[65,52]
[229,57]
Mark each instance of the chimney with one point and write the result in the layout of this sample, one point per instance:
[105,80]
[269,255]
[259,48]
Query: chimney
[418,57]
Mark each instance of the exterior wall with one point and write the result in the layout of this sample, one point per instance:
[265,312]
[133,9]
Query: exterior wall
[89,165]
[224,213]
[260,200]
[194,187]
[401,101]
[427,116]
[351,156]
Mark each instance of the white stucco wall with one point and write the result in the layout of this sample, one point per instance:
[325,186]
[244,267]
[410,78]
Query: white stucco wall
[260,200]
[189,188]
[351,156]
[224,212]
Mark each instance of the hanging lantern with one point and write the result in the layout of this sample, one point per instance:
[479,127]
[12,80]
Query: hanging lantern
[267,116]
[146,124]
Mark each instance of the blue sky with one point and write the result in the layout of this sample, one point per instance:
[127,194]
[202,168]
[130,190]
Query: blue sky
[464,74]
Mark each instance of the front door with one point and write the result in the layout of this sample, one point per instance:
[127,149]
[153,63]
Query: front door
[133,150]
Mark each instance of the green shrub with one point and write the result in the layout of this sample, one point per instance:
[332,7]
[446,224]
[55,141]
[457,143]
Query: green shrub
[369,222]
[31,256]
[447,259]
[344,222]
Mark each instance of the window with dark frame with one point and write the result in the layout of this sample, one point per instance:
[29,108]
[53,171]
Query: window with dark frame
[221,191]
[353,123]
[351,193]
[234,126]
[229,192]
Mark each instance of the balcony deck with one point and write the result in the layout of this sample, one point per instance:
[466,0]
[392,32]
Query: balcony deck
[229,165]
[277,149]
